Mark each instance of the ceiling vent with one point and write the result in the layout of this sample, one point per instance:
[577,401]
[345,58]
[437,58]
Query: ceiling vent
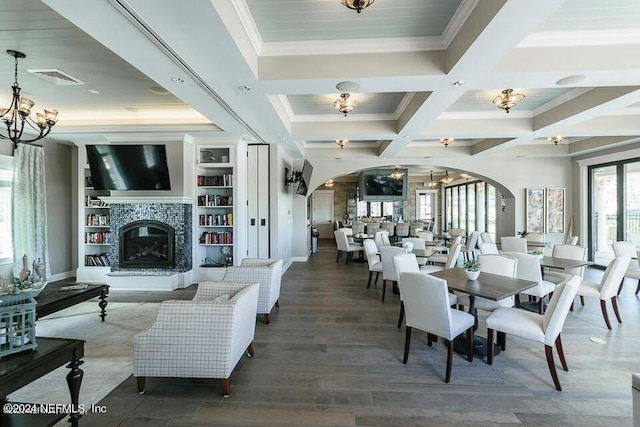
[56,77]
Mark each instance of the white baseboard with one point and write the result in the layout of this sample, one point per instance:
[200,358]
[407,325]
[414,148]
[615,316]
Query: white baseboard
[61,276]
[300,258]
[287,265]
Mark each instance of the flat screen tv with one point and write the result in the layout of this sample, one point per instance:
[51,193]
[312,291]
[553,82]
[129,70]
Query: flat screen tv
[305,178]
[378,185]
[128,167]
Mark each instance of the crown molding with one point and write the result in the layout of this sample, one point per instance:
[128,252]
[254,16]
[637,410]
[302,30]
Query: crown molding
[406,99]
[465,115]
[582,38]
[457,21]
[242,10]
[565,97]
[337,116]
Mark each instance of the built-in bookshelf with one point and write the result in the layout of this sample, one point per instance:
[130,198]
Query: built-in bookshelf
[214,206]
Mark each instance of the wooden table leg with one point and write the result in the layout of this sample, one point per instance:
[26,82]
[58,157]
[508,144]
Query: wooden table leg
[103,303]
[74,380]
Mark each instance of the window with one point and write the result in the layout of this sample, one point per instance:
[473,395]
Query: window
[471,206]
[6,250]
[374,209]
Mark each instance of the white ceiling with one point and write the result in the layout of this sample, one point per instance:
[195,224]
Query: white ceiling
[405,56]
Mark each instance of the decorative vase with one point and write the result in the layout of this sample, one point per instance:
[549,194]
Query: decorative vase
[39,269]
[24,273]
[472,275]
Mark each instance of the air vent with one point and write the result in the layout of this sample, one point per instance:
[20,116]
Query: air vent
[56,77]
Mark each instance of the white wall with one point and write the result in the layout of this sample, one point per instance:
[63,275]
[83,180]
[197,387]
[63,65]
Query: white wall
[281,205]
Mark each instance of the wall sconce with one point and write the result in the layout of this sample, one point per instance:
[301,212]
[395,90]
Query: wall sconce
[503,204]
[291,177]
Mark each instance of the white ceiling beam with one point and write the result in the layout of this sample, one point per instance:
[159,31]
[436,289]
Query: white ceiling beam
[351,129]
[588,145]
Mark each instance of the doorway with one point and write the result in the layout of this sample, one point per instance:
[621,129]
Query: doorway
[322,219]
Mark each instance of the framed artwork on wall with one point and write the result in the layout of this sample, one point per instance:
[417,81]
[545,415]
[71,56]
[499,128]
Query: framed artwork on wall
[535,206]
[555,210]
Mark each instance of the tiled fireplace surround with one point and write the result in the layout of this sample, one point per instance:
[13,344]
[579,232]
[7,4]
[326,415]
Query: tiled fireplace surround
[178,216]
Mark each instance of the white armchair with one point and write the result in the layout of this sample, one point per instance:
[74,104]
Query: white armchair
[265,271]
[201,338]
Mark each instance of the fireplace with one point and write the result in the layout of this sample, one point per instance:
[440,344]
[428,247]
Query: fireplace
[146,244]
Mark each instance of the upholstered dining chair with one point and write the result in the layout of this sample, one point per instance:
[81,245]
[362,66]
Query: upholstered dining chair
[402,230]
[388,267]
[428,308]
[468,250]
[407,263]
[529,269]
[441,258]
[513,244]
[545,328]
[628,249]
[373,259]
[425,235]
[201,338]
[486,237]
[416,226]
[494,264]
[358,227]
[419,248]
[381,238]
[344,246]
[606,289]
[488,248]
[372,227]
[534,237]
[450,261]
[390,227]
[568,252]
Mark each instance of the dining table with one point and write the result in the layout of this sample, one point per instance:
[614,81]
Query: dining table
[563,263]
[490,286]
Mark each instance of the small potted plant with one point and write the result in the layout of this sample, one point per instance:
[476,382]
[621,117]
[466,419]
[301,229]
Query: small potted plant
[472,269]
[539,254]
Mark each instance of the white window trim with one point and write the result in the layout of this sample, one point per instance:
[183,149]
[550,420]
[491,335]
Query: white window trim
[6,162]
[435,208]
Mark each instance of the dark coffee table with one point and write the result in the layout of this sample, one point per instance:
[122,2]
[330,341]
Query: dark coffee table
[52,299]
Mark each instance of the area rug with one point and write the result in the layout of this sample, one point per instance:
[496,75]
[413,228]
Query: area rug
[108,350]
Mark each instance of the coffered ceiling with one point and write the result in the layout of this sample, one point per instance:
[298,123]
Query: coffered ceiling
[267,70]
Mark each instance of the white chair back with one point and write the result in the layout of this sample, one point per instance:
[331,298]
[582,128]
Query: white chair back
[426,303]
[377,238]
[415,227]
[558,309]
[402,229]
[372,227]
[406,263]
[457,232]
[627,249]
[535,237]
[486,237]
[528,267]
[418,243]
[371,252]
[347,231]
[513,244]
[455,241]
[472,241]
[341,240]
[388,267]
[425,235]
[389,226]
[612,277]
[452,258]
[573,240]
[570,252]
[498,264]
[487,248]
[385,238]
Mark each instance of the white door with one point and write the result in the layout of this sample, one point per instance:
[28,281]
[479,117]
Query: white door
[323,212]
[258,201]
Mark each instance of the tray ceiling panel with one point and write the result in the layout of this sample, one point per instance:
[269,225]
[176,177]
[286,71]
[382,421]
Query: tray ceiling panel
[583,15]
[482,100]
[370,103]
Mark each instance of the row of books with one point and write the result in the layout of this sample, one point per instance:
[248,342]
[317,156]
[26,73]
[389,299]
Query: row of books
[213,238]
[215,200]
[97,220]
[99,237]
[225,180]
[212,220]
[97,260]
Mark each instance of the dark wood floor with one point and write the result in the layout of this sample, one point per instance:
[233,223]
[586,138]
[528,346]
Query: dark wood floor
[332,356]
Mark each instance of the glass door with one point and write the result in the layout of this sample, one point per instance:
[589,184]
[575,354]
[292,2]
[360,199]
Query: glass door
[632,203]
[604,208]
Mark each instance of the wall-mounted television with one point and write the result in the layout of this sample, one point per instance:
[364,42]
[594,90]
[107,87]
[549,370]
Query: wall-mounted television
[305,178]
[378,185]
[128,167]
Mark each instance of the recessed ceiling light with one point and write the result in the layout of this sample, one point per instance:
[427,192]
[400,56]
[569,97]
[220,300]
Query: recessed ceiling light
[93,91]
[458,83]
[405,136]
[159,90]
[282,138]
[347,86]
[571,80]
[244,88]
[131,109]
[177,80]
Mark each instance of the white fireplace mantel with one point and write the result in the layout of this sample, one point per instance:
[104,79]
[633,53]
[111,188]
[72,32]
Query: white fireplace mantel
[147,199]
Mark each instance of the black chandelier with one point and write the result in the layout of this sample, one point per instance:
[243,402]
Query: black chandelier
[357,5]
[19,111]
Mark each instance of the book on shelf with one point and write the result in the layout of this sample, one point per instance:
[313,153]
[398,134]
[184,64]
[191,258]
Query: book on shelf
[224,180]
[225,219]
[97,220]
[93,202]
[216,238]
[98,237]
[97,260]
[215,200]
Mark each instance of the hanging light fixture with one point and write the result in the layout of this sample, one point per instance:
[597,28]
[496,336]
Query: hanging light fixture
[465,176]
[344,104]
[18,113]
[396,174]
[447,179]
[342,142]
[432,183]
[556,139]
[446,141]
[357,5]
[508,100]
[328,183]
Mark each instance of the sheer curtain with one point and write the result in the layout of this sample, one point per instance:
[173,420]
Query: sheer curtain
[29,208]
